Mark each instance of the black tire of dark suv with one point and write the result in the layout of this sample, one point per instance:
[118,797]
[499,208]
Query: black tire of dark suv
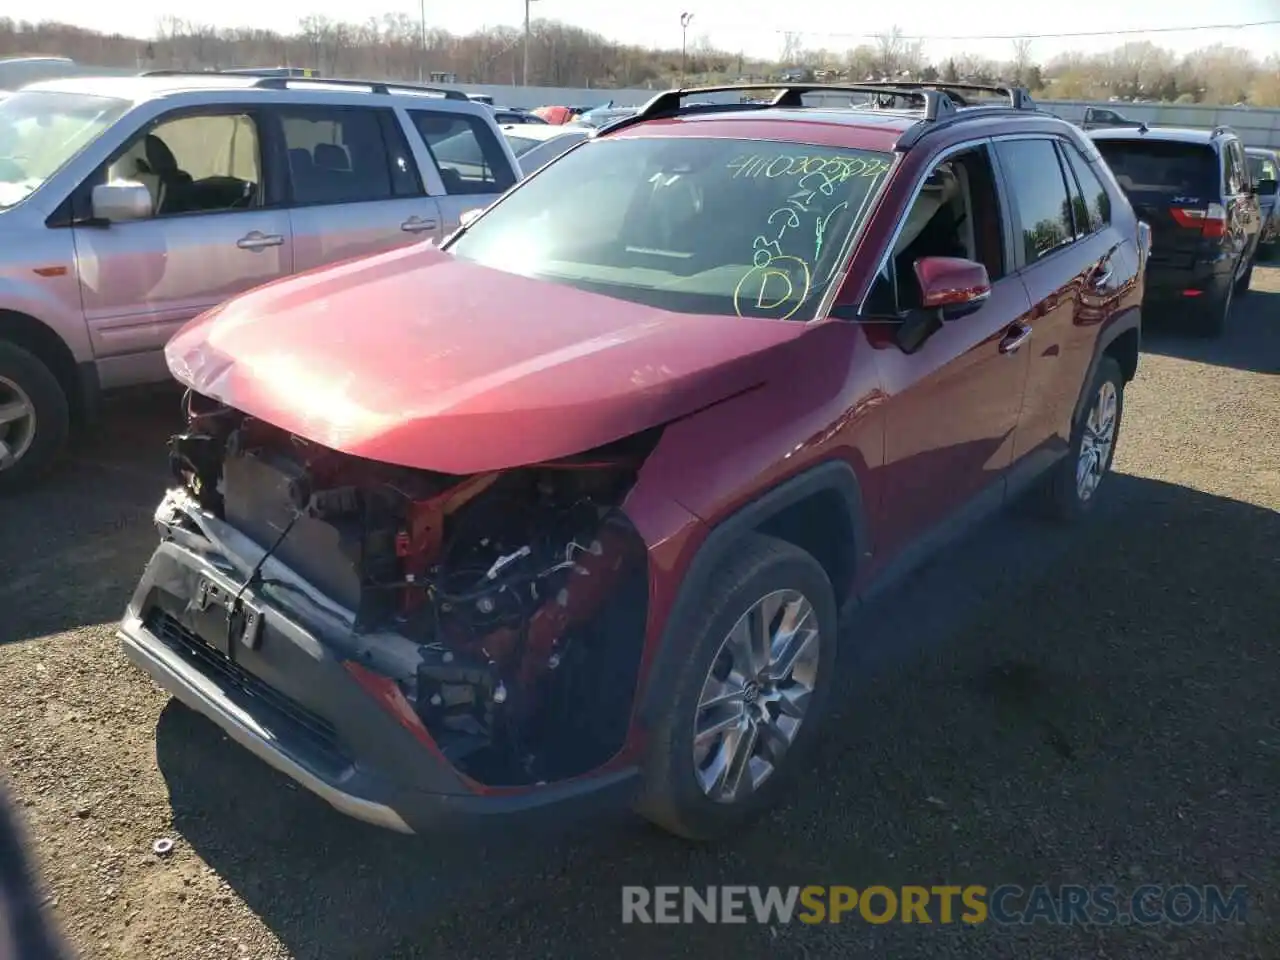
[1246,278]
[1213,321]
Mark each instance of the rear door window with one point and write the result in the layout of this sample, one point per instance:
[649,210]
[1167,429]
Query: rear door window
[1164,169]
[1095,204]
[466,151]
[1034,176]
[336,154]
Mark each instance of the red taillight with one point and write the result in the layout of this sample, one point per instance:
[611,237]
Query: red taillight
[1212,223]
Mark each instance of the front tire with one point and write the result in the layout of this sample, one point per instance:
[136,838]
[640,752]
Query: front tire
[1073,485]
[34,418]
[744,705]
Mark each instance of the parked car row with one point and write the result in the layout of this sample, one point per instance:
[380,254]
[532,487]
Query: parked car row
[542,516]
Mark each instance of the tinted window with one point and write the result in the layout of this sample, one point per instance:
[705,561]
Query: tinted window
[697,225]
[404,169]
[195,164]
[1032,172]
[1262,168]
[1237,178]
[336,155]
[1094,207]
[466,151]
[1165,168]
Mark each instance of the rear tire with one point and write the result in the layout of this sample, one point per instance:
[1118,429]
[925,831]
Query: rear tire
[34,418]
[1213,322]
[1067,497]
[681,792]
[1246,278]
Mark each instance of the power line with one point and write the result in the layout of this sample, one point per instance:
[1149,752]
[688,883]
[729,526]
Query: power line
[1079,34]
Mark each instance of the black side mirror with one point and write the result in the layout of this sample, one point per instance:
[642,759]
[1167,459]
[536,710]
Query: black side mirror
[1266,188]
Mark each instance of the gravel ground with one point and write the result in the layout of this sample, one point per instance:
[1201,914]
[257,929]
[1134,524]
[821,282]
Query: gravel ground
[1037,705]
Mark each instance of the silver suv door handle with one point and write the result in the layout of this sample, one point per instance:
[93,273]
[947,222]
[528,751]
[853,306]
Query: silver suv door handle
[416,224]
[259,241]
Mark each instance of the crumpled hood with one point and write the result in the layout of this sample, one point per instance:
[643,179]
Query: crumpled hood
[418,359]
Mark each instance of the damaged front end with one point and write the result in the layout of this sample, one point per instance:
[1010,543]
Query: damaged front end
[499,617]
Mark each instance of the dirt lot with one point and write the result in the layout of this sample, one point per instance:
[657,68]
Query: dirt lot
[1036,706]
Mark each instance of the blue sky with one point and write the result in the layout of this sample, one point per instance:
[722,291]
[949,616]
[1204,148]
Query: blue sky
[754,26]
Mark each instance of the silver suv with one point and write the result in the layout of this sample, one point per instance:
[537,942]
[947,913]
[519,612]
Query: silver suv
[128,205]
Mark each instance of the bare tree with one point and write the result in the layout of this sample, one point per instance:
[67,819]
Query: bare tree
[792,49]
[1021,60]
[862,62]
[890,47]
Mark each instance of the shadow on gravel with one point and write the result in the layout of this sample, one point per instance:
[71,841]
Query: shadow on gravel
[71,551]
[1091,706]
[1251,342]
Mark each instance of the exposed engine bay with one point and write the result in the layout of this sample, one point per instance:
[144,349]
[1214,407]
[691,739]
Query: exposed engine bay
[508,607]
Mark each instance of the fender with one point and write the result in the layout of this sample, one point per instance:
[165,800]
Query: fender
[1125,321]
[831,476]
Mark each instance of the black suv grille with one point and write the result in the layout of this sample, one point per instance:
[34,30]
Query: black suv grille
[216,665]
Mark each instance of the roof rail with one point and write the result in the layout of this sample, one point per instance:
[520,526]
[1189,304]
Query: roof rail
[374,86]
[915,133]
[1019,97]
[670,102]
[940,104]
[283,83]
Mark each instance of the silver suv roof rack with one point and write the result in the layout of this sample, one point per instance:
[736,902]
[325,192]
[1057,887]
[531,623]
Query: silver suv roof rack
[284,83]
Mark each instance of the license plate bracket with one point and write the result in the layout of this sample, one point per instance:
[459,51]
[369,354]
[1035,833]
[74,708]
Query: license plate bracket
[232,619]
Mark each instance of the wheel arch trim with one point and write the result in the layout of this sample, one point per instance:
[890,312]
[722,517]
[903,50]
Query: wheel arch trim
[830,476]
[1125,322]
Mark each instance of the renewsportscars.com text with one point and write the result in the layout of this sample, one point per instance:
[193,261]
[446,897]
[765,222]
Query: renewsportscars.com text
[943,904]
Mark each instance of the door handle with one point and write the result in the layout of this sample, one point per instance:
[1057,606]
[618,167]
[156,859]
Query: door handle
[1014,338]
[416,224]
[1101,276]
[259,241]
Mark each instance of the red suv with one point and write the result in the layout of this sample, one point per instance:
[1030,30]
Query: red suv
[574,507]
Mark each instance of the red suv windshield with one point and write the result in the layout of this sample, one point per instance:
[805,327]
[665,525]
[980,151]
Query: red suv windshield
[689,224]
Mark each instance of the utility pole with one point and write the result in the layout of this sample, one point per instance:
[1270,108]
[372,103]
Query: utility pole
[526,42]
[422,37]
[684,41]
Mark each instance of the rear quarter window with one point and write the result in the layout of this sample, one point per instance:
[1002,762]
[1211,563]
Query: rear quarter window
[466,151]
[1165,168]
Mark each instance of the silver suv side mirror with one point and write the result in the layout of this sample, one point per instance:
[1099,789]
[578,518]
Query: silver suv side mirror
[121,200]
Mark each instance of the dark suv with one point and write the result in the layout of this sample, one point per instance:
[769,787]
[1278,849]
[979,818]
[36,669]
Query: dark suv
[580,511]
[1194,189]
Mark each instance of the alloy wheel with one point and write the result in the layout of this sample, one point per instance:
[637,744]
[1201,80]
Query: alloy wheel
[1097,440]
[17,423]
[756,696]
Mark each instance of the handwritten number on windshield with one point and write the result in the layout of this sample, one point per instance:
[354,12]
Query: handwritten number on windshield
[777,278]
